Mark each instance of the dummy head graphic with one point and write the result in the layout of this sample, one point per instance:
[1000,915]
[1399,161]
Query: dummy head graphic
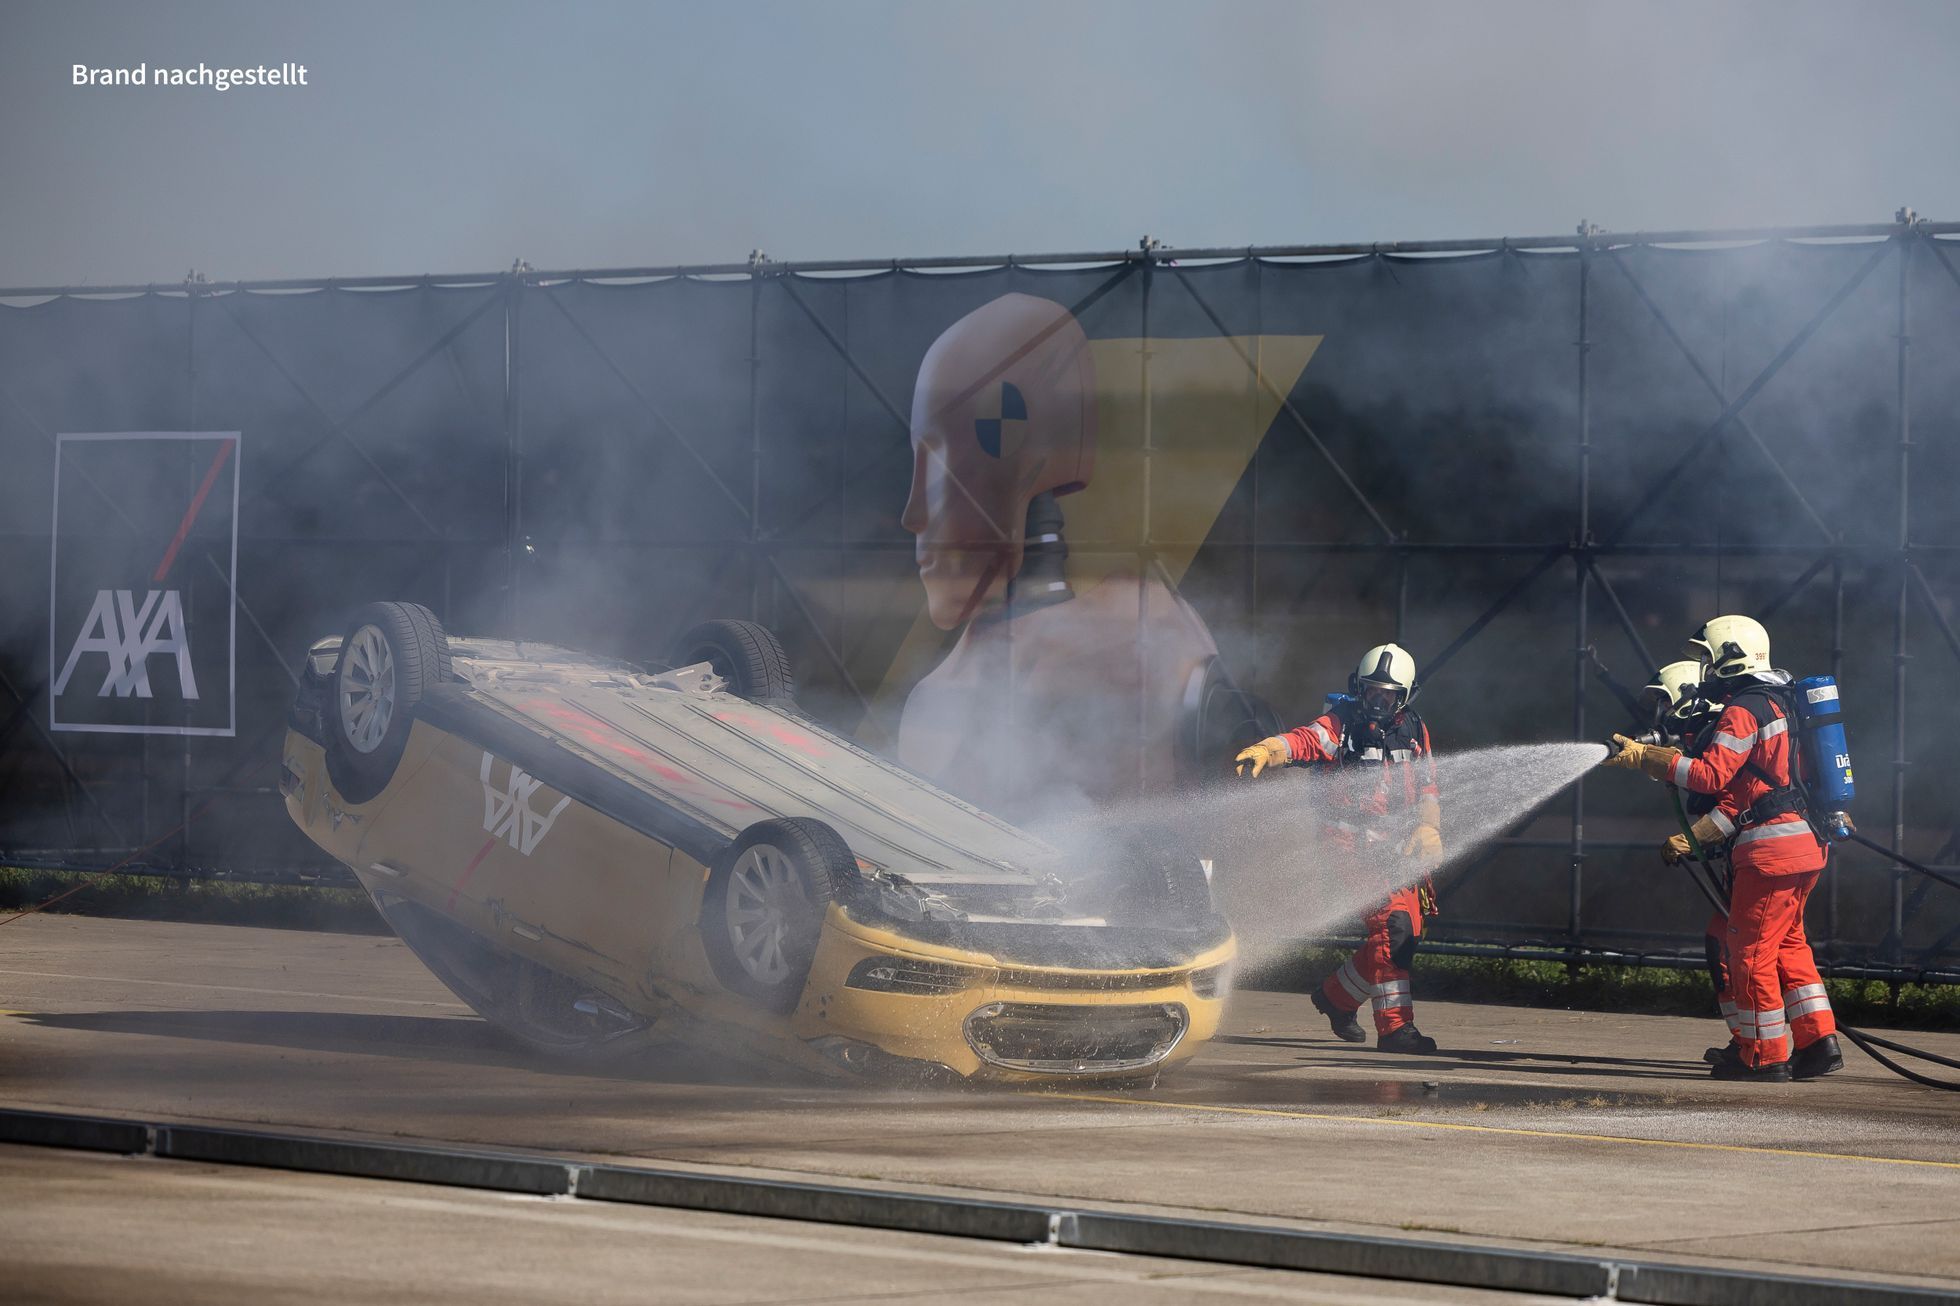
[1004,408]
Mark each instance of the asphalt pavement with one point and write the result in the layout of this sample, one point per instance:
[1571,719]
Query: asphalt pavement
[1566,1131]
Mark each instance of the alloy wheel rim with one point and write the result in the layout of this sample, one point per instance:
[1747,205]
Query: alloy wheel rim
[367,689]
[765,900]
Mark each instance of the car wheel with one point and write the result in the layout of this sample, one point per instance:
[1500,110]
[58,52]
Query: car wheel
[1216,720]
[393,654]
[745,654]
[764,905]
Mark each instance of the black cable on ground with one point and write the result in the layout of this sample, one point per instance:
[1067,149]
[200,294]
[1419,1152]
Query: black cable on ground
[1872,1042]
[1906,862]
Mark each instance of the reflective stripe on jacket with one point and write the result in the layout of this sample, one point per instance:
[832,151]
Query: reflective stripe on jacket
[1782,845]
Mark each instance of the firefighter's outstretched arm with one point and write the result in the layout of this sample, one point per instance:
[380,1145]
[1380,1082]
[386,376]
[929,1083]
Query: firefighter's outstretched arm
[1317,741]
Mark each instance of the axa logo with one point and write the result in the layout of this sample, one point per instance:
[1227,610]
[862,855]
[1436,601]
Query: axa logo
[507,812]
[129,636]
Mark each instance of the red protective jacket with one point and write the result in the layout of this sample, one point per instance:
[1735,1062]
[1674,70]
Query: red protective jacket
[1752,729]
[1408,773]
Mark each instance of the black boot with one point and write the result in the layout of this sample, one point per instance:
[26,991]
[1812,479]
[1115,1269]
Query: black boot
[1819,1059]
[1343,1023]
[1730,1065]
[1406,1039]
[1713,1055]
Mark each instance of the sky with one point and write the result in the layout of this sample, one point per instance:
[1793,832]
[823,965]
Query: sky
[453,137]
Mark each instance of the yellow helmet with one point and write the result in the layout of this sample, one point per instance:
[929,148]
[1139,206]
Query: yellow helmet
[1674,694]
[1732,646]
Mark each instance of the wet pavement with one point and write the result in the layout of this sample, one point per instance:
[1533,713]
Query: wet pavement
[1555,1129]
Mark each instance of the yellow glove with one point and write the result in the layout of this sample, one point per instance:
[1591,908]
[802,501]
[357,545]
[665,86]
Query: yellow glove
[1629,754]
[1707,834]
[1266,753]
[1426,844]
[1657,760]
[1427,841]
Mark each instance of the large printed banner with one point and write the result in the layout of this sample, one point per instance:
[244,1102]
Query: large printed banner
[1016,527]
[142,627]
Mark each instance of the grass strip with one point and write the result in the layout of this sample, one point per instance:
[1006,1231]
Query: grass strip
[213,902]
[1645,990]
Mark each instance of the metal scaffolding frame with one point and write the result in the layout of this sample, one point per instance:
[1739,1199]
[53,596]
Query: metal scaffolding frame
[1595,251]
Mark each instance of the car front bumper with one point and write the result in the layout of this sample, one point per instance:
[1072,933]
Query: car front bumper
[875,995]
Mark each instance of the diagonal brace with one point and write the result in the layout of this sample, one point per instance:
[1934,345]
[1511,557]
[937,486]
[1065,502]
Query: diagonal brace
[1490,614]
[904,423]
[61,758]
[1620,614]
[1286,406]
[1714,388]
[1755,387]
[1933,606]
[388,387]
[1795,587]
[823,641]
[646,402]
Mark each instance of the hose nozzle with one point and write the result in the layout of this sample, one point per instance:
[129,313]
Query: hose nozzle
[1651,737]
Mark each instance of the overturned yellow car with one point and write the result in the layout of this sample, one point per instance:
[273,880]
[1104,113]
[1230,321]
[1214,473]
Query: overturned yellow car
[593,855]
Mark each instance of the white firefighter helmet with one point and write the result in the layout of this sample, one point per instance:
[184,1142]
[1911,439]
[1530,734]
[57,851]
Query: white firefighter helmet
[1383,679]
[1728,647]
[1674,691]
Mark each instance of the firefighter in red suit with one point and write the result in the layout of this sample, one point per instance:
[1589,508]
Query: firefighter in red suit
[1374,727]
[1681,716]
[1775,855]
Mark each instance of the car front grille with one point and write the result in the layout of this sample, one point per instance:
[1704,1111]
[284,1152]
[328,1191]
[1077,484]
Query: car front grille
[1072,1040]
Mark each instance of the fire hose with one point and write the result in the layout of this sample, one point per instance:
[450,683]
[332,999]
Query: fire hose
[1700,871]
[1872,1042]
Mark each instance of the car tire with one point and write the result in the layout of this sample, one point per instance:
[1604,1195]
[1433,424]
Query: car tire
[763,907]
[1215,720]
[392,656]
[746,654]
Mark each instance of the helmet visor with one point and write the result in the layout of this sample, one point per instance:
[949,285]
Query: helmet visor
[1378,699]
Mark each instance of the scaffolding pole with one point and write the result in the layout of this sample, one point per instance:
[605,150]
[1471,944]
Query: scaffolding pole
[1582,575]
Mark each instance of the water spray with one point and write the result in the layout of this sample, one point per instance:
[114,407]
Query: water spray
[1292,852]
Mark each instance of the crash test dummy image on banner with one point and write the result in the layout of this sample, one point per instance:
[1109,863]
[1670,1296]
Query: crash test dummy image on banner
[1065,686]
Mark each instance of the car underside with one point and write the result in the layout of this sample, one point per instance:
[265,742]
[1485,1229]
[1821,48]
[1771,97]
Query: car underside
[590,853]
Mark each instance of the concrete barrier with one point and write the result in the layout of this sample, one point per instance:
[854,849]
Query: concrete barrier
[1219,1242]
